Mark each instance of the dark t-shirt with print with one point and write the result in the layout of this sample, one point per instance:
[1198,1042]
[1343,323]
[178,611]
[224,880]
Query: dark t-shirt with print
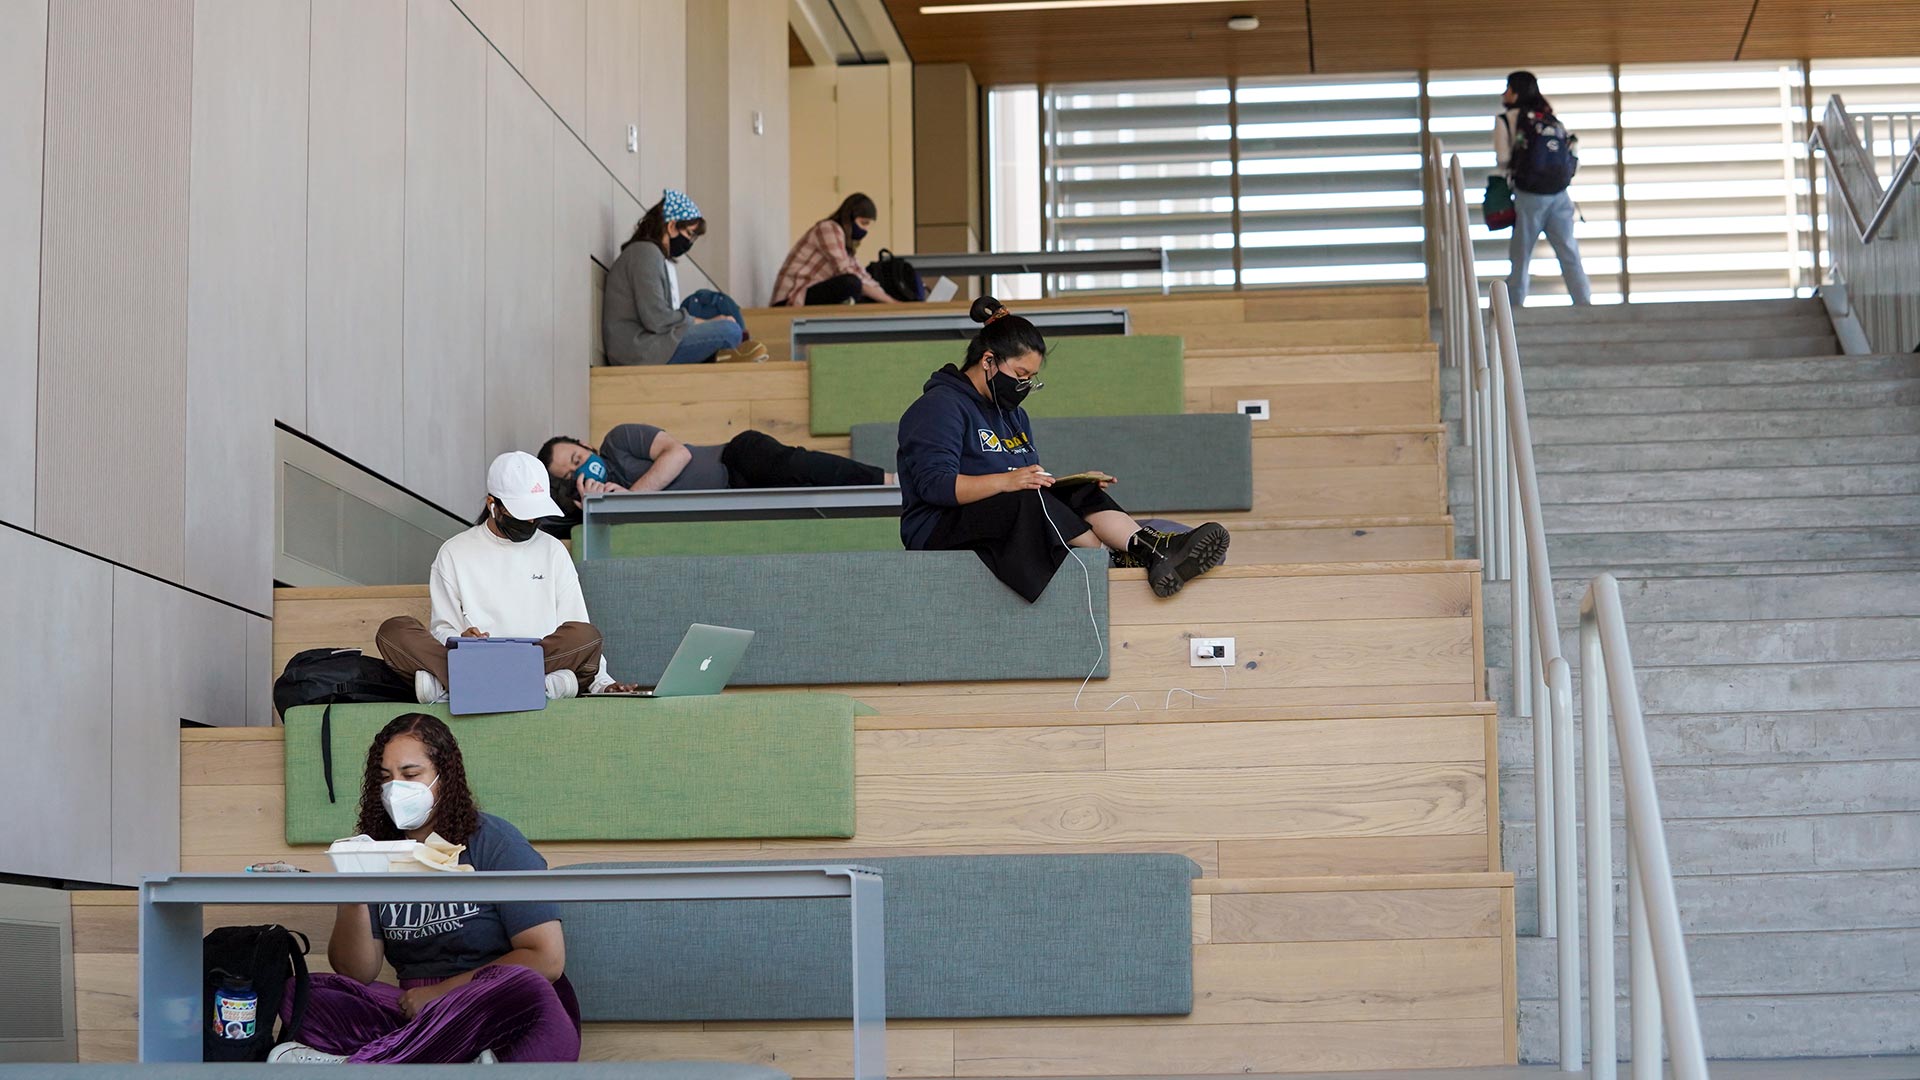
[437,941]
[628,451]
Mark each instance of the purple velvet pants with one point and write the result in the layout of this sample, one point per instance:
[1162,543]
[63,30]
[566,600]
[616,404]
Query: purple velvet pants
[511,1010]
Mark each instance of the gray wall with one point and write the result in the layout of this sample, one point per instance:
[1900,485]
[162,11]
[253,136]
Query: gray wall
[372,220]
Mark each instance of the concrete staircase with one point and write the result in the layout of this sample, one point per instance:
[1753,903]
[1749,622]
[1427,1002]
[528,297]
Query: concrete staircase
[1759,498]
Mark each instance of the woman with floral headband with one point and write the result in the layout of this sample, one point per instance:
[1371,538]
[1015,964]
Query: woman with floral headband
[645,320]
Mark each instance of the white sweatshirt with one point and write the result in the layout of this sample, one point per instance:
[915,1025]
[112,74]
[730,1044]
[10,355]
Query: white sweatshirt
[505,589]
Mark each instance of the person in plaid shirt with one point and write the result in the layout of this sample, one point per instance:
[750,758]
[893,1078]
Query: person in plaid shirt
[821,268]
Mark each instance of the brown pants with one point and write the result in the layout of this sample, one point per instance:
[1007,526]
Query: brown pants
[408,647]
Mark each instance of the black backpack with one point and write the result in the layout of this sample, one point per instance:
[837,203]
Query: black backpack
[1544,154]
[266,957]
[326,676]
[897,277]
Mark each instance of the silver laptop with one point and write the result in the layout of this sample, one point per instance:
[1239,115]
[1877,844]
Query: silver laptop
[703,663]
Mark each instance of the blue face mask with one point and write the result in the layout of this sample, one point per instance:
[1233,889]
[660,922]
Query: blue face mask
[594,468]
[858,232]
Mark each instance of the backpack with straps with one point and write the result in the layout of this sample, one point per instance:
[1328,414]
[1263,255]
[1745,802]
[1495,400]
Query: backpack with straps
[897,277]
[1545,154]
[327,676]
[266,958]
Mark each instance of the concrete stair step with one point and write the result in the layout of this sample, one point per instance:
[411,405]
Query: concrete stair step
[1701,515]
[1771,641]
[1866,421]
[1660,352]
[1786,963]
[1769,1026]
[1799,324]
[1756,597]
[1805,843]
[1751,738]
[1681,485]
[1792,789]
[1784,687]
[1610,316]
[1607,457]
[1630,400]
[1761,903]
[1824,369]
[1722,552]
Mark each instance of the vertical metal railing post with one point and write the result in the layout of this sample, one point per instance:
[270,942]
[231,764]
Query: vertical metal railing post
[1643,993]
[1472,404]
[1597,798]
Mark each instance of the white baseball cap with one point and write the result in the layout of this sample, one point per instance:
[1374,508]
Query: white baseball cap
[520,483]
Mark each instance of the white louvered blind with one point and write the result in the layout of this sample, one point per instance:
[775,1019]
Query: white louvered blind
[1330,185]
[1141,166]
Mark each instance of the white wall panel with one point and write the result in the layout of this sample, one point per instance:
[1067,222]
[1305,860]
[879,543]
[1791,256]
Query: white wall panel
[246,284]
[613,84]
[502,21]
[519,227]
[444,306]
[663,92]
[556,61]
[626,215]
[356,229]
[56,647]
[582,217]
[260,671]
[113,280]
[176,656]
[23,81]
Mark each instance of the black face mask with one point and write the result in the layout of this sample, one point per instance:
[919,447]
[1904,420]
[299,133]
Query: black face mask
[678,246]
[1009,392]
[859,233]
[512,527]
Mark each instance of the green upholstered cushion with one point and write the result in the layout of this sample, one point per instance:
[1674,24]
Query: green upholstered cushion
[652,538]
[730,766]
[967,936]
[1166,464]
[1101,375]
[850,617]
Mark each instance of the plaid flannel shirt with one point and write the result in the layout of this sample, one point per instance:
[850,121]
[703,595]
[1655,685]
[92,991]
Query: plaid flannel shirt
[820,255]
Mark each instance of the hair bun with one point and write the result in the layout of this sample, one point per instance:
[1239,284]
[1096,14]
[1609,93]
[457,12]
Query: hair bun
[984,309]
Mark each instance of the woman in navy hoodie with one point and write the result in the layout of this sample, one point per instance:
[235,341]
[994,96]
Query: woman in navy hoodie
[971,478]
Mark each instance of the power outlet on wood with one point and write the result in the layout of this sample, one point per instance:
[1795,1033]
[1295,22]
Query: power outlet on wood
[1212,652]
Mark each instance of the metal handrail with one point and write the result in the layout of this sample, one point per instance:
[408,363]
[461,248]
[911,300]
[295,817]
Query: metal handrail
[1867,208]
[1660,983]
[1511,540]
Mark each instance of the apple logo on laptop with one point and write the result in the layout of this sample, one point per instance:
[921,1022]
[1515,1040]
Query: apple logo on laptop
[704,664]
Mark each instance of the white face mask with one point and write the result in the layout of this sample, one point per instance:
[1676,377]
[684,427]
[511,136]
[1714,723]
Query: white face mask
[409,803]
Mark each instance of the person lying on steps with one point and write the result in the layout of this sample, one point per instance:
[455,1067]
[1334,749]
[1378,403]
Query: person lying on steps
[477,982]
[505,578]
[642,457]
[971,478]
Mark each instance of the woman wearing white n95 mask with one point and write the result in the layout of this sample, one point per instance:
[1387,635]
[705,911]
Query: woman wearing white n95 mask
[477,981]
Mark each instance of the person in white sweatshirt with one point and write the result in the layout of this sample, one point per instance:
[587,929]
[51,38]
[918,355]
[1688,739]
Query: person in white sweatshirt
[506,577]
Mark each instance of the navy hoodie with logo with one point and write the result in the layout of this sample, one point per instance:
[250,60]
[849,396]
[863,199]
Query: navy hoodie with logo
[953,431]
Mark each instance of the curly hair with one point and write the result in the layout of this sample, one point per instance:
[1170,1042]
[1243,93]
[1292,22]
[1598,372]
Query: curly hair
[455,814]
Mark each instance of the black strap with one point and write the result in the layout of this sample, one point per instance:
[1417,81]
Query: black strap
[326,748]
[300,987]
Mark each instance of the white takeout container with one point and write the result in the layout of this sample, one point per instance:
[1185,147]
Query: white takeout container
[359,855]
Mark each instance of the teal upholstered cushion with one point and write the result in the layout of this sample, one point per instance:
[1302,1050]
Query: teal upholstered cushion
[1102,375]
[1166,464]
[731,766]
[967,935]
[850,617]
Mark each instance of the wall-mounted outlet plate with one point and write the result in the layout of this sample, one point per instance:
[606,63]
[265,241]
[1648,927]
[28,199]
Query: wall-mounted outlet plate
[633,138]
[1212,652]
[1256,408]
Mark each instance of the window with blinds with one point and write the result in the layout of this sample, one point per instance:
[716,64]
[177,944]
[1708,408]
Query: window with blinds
[1330,186]
[1140,166]
[1698,189]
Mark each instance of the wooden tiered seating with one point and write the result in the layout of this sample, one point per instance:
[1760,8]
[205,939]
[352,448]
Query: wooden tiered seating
[1337,787]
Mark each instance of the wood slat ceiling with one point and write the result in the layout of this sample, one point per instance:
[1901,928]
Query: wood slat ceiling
[1300,37]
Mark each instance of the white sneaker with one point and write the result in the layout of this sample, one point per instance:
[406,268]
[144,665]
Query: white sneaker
[486,1058]
[562,684]
[427,689]
[293,1053]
